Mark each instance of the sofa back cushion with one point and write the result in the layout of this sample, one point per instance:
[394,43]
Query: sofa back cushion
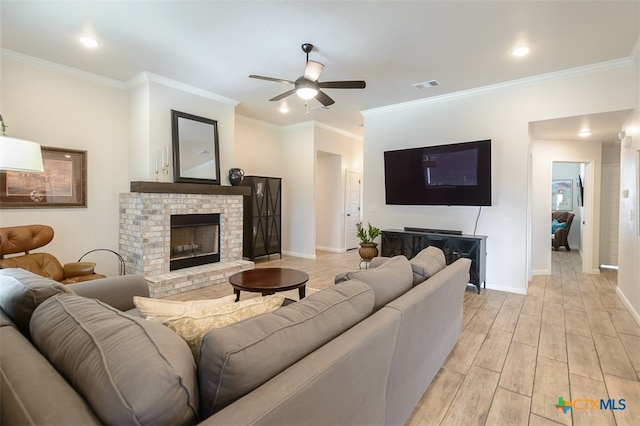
[22,291]
[427,263]
[238,358]
[389,280]
[131,371]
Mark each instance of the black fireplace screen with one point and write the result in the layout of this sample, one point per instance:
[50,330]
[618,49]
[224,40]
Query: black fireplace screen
[195,240]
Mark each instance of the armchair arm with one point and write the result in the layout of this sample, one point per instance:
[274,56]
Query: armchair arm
[77,269]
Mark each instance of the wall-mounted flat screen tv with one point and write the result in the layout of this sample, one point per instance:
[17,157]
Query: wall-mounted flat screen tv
[448,175]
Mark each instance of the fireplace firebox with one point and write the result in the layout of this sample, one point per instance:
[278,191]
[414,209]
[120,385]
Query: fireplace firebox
[195,240]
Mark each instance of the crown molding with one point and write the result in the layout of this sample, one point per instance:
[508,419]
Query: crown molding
[62,69]
[125,85]
[339,131]
[618,63]
[146,76]
[240,117]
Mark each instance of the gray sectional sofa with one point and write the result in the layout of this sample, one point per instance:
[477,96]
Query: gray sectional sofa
[362,351]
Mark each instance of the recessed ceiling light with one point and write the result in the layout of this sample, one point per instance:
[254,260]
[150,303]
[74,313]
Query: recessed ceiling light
[284,109]
[521,51]
[89,42]
[584,133]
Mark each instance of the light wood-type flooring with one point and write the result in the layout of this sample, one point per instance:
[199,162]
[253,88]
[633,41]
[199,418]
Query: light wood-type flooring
[570,337]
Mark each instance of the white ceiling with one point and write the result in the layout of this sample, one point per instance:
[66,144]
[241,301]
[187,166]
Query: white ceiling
[215,45]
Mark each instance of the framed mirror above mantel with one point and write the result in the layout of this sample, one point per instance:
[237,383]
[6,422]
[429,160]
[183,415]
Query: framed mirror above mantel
[196,153]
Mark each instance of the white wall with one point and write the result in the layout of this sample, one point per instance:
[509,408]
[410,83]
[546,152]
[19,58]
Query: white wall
[258,147]
[347,155]
[162,99]
[329,202]
[298,198]
[66,109]
[501,113]
[291,153]
[629,246]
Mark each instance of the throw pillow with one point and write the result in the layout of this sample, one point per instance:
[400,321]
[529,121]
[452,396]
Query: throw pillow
[555,225]
[159,310]
[235,360]
[389,280]
[22,291]
[131,371]
[427,263]
[194,325]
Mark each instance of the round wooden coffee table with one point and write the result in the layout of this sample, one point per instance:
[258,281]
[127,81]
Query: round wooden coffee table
[268,281]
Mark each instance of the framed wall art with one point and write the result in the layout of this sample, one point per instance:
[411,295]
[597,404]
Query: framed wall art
[562,195]
[62,184]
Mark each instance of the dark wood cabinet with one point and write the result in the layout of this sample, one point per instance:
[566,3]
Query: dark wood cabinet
[262,234]
[410,243]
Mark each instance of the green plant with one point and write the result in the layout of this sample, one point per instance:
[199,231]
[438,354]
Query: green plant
[367,235]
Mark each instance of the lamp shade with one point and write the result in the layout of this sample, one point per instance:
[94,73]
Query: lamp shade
[20,155]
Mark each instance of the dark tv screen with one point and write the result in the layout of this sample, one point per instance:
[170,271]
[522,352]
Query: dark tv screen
[450,175]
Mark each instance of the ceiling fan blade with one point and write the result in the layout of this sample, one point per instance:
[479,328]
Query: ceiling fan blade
[277,80]
[313,70]
[324,99]
[353,84]
[283,95]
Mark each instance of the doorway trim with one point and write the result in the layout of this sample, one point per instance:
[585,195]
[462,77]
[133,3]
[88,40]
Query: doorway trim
[590,236]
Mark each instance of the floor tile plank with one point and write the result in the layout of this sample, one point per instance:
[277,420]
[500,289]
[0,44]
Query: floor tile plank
[509,408]
[473,400]
[551,381]
[519,369]
[613,357]
[582,412]
[582,356]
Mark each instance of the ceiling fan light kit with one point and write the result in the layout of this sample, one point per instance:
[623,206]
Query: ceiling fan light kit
[307,86]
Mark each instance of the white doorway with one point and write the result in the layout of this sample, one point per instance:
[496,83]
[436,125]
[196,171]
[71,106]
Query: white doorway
[352,209]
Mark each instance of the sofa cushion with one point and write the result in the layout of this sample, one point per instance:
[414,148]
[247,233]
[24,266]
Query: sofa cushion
[158,310]
[192,326]
[131,371]
[32,392]
[22,291]
[236,359]
[427,263]
[389,280]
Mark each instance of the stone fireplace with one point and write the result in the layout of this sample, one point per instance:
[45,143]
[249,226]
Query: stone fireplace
[146,235]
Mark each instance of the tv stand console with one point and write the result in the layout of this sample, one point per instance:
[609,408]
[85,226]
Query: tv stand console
[409,243]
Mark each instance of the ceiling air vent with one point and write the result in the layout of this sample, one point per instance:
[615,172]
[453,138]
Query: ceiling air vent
[426,84]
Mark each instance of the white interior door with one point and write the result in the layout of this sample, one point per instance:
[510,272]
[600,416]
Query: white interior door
[352,209]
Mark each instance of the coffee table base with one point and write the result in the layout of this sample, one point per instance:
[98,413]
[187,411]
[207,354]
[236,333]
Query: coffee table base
[269,281]
[301,293]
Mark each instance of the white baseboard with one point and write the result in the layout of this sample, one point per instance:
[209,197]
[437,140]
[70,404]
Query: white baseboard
[331,249]
[630,308]
[507,289]
[303,255]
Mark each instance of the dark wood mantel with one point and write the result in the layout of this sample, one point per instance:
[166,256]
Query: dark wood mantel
[188,188]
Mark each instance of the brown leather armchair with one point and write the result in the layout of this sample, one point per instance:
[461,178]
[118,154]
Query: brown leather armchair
[561,236]
[18,239]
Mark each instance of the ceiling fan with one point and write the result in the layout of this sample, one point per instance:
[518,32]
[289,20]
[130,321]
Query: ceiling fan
[308,87]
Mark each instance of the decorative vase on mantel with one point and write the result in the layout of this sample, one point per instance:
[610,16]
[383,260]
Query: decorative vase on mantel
[368,251]
[235,176]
